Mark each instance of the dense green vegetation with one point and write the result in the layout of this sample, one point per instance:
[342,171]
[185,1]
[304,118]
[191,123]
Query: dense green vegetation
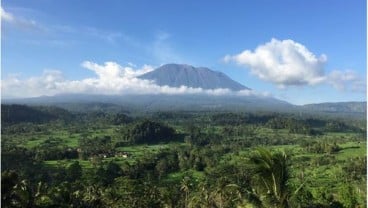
[54,158]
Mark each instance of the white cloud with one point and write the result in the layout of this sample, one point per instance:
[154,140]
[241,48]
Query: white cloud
[47,83]
[111,78]
[6,16]
[106,35]
[346,80]
[131,64]
[112,70]
[283,63]
[162,49]
[253,93]
[288,63]
[55,34]
[19,22]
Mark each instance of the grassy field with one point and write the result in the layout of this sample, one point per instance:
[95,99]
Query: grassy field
[135,152]
[67,138]
[86,164]
[352,150]
[178,176]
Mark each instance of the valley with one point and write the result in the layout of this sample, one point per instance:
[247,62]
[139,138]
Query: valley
[180,159]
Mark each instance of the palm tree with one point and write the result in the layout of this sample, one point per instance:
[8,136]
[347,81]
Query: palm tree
[203,198]
[271,178]
[25,194]
[185,186]
[93,196]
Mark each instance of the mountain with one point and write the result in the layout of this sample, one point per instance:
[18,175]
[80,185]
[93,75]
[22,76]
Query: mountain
[176,75]
[342,107]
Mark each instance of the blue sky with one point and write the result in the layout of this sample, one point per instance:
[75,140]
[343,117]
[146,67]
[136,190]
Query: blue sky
[298,51]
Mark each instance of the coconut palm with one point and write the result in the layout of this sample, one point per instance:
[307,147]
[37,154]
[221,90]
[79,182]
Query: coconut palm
[185,186]
[203,198]
[271,177]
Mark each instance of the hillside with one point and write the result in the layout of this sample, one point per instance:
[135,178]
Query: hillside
[11,114]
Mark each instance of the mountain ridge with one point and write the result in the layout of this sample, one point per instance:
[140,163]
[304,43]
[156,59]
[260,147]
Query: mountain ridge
[347,106]
[194,103]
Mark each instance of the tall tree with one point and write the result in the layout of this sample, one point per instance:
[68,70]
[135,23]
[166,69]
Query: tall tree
[74,171]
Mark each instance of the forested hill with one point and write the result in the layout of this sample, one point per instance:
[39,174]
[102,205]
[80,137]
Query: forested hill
[11,114]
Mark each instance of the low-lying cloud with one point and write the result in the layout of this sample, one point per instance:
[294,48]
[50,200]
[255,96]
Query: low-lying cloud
[288,63]
[110,79]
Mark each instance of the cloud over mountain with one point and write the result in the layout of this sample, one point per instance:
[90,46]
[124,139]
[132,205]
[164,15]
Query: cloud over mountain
[289,63]
[111,79]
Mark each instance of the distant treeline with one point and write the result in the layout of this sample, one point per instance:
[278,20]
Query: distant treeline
[14,114]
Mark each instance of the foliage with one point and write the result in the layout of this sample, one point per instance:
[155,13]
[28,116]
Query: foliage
[12,114]
[95,146]
[150,132]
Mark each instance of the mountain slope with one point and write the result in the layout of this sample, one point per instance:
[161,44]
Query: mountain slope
[176,75]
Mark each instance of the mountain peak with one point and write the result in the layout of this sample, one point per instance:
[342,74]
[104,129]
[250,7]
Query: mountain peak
[176,75]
